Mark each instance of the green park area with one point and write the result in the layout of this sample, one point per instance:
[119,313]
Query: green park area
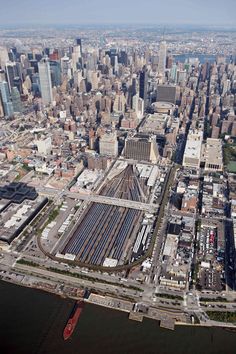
[229,151]
[222,316]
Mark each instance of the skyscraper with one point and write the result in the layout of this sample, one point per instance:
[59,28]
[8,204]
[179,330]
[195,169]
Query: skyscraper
[16,101]
[11,72]
[45,81]
[66,67]
[78,42]
[55,68]
[76,54]
[5,97]
[162,58]
[3,57]
[143,82]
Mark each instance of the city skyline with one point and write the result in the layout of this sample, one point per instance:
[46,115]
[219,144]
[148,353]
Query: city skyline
[118,174]
[103,12]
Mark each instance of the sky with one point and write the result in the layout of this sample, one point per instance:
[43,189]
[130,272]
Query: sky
[200,12]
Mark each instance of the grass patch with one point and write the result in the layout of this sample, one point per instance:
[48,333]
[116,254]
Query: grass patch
[169,296]
[26,167]
[217,299]
[229,154]
[222,316]
[26,262]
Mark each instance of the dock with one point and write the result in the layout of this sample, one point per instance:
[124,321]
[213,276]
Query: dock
[135,316]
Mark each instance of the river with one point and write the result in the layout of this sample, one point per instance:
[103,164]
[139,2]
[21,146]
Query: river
[32,322]
[203,58]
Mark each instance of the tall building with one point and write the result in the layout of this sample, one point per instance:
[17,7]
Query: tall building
[3,57]
[124,58]
[143,83]
[11,72]
[4,90]
[55,68]
[166,93]
[1,108]
[76,54]
[192,152]
[66,66]
[181,77]
[78,42]
[44,145]
[142,149]
[212,155]
[162,58]
[108,144]
[226,86]
[119,102]
[5,98]
[45,81]
[173,73]
[16,101]
[138,106]
[17,82]
[2,75]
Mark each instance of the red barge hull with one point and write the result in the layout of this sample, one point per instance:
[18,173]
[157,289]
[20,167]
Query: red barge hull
[71,324]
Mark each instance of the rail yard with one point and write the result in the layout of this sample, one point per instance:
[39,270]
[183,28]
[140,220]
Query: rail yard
[112,235]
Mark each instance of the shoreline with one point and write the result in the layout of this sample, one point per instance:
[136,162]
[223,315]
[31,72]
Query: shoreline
[110,301]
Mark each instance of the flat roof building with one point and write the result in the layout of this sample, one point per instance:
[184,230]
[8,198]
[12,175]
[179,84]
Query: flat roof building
[19,204]
[166,93]
[212,155]
[108,144]
[192,153]
[142,149]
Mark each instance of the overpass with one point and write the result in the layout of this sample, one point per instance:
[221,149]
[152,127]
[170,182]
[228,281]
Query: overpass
[150,208]
[96,198]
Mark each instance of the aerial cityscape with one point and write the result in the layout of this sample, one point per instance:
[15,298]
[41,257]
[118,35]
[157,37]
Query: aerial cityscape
[118,169]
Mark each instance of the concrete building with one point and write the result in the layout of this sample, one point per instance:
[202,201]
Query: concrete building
[11,73]
[16,101]
[155,124]
[162,58]
[119,103]
[44,145]
[45,81]
[108,144]
[215,132]
[5,99]
[192,153]
[143,85]
[212,155]
[166,93]
[138,106]
[142,149]
[19,205]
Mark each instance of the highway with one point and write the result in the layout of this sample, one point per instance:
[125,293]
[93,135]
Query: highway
[70,280]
